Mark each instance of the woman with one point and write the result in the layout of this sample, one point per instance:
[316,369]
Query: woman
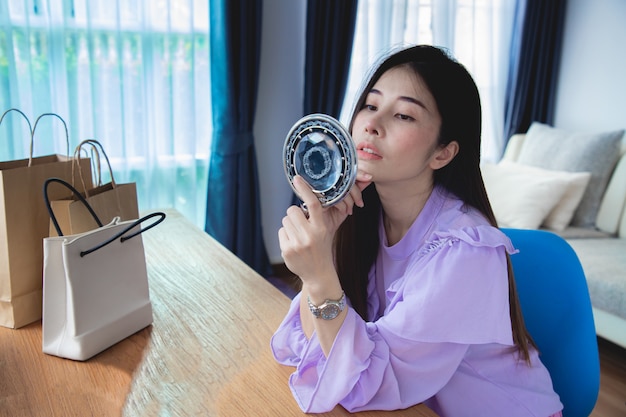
[410,297]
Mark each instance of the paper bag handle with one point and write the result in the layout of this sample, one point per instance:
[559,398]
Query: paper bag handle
[97,149]
[121,234]
[75,192]
[32,136]
[31,131]
[30,127]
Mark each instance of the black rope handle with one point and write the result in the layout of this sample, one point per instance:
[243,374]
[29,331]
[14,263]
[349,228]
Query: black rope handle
[75,192]
[121,234]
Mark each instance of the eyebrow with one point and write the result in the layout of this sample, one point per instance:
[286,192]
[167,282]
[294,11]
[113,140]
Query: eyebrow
[402,98]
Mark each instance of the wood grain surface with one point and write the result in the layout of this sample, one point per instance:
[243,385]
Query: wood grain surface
[206,354]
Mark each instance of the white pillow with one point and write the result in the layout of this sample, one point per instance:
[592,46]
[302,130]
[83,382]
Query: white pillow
[522,197]
[562,213]
[562,150]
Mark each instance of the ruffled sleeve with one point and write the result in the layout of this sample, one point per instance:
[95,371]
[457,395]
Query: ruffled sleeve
[289,341]
[455,293]
[361,372]
[459,292]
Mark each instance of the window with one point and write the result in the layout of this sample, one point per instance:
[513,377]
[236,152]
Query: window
[477,33]
[133,74]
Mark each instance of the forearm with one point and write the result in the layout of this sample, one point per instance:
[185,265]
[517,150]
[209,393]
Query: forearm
[326,330]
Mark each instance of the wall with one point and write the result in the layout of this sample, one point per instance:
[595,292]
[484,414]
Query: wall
[279,106]
[591,94]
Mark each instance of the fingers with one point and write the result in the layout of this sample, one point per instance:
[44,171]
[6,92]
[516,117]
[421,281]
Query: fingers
[363,179]
[294,222]
[355,197]
[283,238]
[346,206]
[307,195]
[291,234]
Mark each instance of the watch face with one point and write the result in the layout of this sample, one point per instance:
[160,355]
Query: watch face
[330,311]
[319,149]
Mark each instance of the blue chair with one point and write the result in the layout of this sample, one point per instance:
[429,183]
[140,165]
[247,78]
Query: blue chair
[557,310]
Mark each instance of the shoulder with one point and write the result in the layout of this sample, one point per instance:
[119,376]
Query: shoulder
[460,223]
[467,239]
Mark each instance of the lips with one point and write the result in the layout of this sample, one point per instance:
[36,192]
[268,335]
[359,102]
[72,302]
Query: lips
[367,151]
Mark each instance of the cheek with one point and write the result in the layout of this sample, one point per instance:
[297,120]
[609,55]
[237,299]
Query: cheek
[409,146]
[412,152]
[357,125]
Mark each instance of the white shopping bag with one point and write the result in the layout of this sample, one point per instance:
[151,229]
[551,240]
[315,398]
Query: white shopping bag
[95,288]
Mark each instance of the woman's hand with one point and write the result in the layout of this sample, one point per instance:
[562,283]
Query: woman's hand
[306,242]
[354,197]
[306,245]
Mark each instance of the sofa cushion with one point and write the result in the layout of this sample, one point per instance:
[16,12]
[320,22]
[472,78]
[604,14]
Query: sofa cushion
[612,212]
[561,150]
[604,264]
[525,196]
[575,232]
[561,215]
[520,200]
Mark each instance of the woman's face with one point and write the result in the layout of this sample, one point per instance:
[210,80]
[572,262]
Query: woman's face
[396,131]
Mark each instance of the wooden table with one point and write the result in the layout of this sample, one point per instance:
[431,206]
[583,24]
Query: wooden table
[206,354]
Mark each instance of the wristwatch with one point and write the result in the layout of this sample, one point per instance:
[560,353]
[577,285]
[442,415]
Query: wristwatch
[329,309]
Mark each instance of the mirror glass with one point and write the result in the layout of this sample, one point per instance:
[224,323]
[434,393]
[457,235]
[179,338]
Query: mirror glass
[320,149]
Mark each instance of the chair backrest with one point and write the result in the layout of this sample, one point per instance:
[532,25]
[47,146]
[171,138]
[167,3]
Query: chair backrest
[556,307]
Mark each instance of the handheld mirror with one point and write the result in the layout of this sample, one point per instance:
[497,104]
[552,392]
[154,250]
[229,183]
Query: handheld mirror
[320,149]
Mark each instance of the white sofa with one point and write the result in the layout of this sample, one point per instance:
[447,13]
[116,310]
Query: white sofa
[601,247]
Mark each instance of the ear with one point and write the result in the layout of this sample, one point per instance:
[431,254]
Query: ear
[444,155]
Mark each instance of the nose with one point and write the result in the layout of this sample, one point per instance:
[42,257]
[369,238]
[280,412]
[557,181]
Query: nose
[372,126]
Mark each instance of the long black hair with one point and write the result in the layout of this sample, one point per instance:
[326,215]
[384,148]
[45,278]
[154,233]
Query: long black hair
[458,102]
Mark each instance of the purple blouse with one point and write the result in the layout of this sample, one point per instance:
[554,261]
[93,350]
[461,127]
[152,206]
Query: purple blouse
[438,331]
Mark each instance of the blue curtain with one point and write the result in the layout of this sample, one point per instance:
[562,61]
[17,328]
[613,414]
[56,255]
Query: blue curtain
[233,202]
[535,57]
[329,35]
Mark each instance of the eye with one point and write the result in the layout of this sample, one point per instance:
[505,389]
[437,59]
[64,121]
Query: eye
[369,107]
[404,117]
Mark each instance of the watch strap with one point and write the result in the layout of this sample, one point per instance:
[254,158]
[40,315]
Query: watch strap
[329,309]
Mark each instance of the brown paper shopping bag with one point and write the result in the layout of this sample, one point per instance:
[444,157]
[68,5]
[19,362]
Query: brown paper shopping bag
[24,224]
[108,201]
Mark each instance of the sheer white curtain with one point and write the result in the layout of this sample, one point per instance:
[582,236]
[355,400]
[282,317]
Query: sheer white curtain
[476,32]
[133,74]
